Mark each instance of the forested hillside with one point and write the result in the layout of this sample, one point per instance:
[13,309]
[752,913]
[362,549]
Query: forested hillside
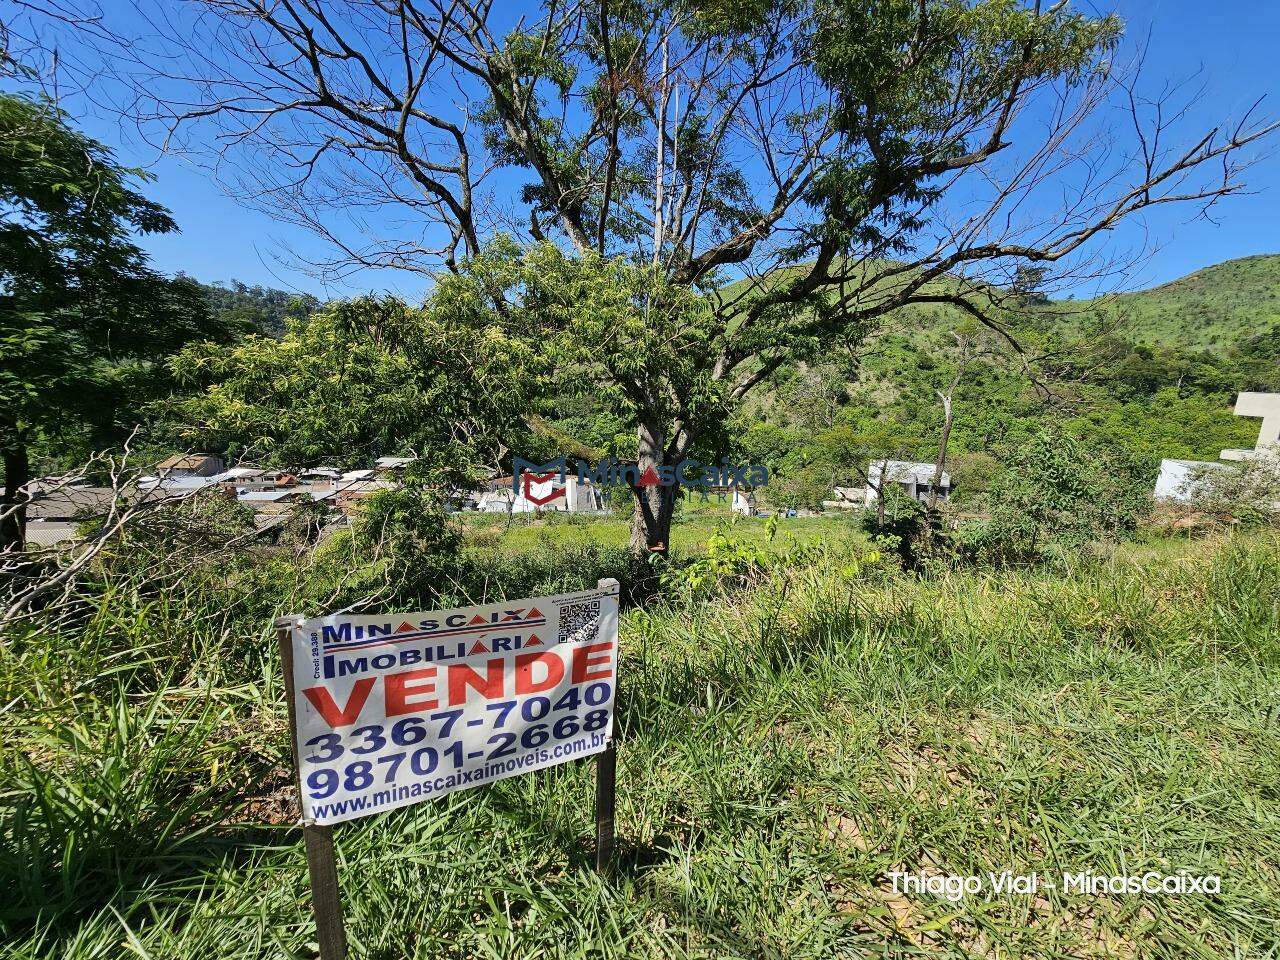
[1221,307]
[256,308]
[1146,375]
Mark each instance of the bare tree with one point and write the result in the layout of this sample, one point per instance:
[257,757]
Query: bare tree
[969,349]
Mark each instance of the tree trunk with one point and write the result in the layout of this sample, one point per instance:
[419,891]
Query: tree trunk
[880,489]
[655,504]
[17,474]
[940,466]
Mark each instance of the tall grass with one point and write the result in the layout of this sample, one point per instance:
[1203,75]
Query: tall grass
[781,751]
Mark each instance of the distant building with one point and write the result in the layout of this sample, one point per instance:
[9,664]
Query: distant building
[460,500]
[70,503]
[740,499]
[263,480]
[237,474]
[1180,480]
[274,501]
[572,495]
[1265,406]
[392,464]
[848,498]
[915,480]
[51,533]
[319,475]
[348,493]
[191,465]
[55,513]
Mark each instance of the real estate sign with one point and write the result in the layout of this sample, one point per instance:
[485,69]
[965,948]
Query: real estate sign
[399,708]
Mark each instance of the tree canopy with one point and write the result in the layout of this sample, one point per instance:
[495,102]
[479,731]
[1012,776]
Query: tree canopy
[357,380]
[79,306]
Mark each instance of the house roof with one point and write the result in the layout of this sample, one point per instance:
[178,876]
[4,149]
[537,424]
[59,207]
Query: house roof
[70,503]
[269,496]
[44,484]
[902,470]
[50,533]
[236,473]
[364,486]
[177,483]
[187,461]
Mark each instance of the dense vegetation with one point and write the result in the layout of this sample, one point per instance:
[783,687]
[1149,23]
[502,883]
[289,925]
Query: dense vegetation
[1085,373]
[83,317]
[256,308]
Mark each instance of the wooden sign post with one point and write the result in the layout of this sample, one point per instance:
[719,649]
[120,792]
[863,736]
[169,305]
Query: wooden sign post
[322,856]
[389,710]
[606,784]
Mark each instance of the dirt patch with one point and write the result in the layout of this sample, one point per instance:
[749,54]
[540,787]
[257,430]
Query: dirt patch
[277,806]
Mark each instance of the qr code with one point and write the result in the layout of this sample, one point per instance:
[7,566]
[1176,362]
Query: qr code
[579,621]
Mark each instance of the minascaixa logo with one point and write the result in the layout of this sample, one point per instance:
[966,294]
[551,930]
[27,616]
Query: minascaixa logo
[613,472]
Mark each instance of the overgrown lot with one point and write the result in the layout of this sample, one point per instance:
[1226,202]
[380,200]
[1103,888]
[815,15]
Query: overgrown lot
[782,750]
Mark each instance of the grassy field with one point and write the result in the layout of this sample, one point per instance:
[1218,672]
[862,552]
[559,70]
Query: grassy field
[781,753]
[689,533]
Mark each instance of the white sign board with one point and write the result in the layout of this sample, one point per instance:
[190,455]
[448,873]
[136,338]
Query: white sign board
[397,709]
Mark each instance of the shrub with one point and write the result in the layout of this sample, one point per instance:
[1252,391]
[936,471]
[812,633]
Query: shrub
[730,563]
[1249,495]
[406,533]
[1058,494]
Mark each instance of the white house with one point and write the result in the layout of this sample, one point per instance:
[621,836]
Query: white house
[1265,406]
[1179,480]
[914,479]
[573,495]
[744,502]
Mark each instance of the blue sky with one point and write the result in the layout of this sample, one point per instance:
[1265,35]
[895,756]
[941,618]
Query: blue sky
[1235,44]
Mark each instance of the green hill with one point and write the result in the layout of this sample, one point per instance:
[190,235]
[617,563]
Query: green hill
[1211,309]
[1216,308]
